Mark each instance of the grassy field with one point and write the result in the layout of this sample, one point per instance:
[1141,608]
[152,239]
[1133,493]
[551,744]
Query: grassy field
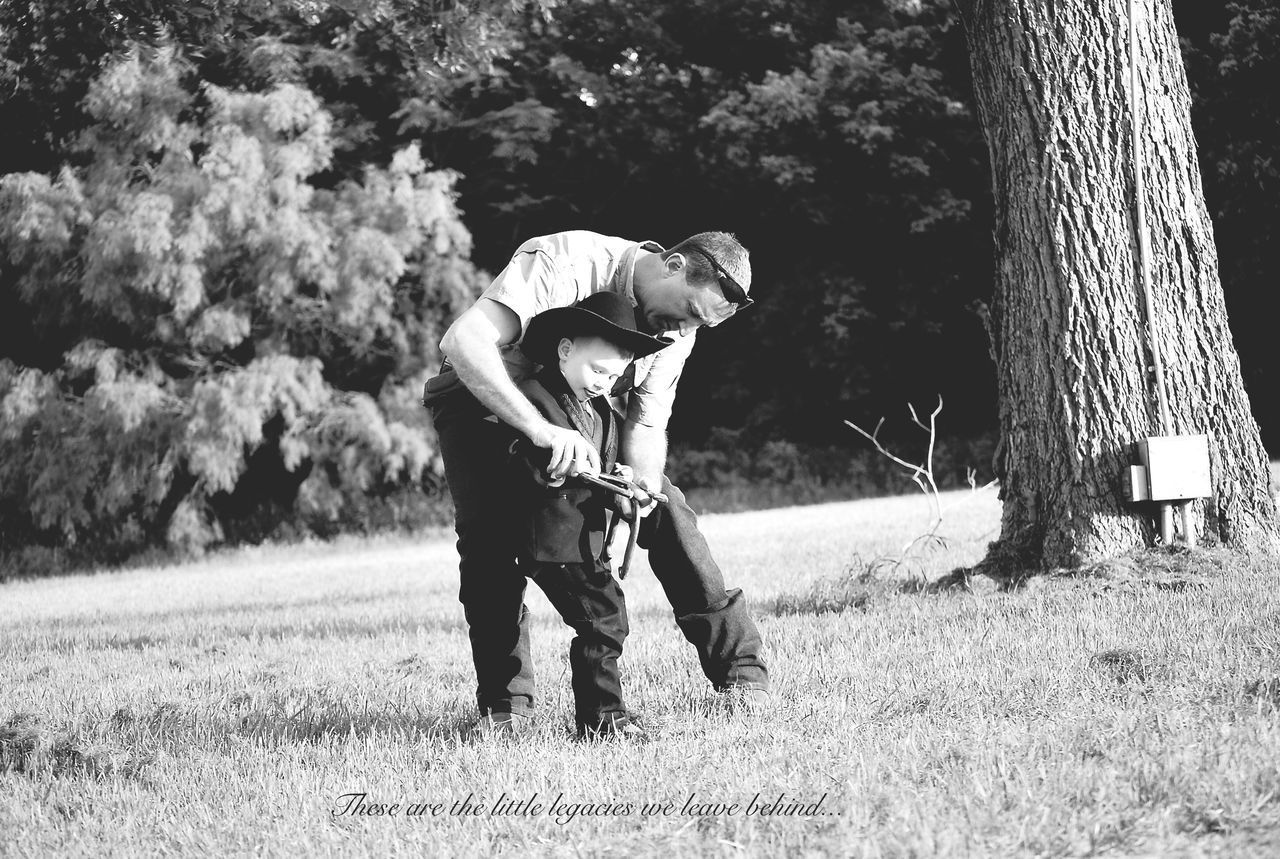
[227,707]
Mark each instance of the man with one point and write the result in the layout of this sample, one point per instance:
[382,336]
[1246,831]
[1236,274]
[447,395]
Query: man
[478,411]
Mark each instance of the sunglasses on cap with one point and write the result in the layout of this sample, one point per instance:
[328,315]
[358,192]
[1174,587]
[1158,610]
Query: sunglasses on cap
[733,291]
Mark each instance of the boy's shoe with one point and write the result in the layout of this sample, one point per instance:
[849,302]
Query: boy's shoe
[612,725]
[747,699]
[497,724]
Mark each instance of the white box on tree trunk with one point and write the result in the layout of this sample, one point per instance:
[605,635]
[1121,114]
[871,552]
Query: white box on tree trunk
[1177,467]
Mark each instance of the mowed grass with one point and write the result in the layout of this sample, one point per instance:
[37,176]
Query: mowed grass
[225,707]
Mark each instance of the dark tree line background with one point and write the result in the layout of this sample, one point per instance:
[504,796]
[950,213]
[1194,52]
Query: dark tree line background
[334,179]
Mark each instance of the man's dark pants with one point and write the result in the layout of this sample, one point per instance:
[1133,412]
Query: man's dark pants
[487,520]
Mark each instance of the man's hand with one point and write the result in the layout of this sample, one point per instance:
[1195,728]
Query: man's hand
[640,504]
[625,506]
[643,500]
[644,448]
[571,454]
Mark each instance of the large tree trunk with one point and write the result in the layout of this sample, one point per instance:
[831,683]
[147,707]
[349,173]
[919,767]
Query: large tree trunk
[1068,322]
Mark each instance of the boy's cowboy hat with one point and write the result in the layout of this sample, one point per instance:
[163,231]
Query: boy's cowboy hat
[605,314]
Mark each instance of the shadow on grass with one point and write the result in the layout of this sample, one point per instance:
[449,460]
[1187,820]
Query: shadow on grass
[831,595]
[1123,665]
[1264,694]
[64,637]
[317,722]
[864,583]
[125,744]
[1176,568]
[836,594]
[1171,568]
[30,747]
[198,613]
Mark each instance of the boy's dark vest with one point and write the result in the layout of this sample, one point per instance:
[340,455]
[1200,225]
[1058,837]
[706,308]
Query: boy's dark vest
[565,524]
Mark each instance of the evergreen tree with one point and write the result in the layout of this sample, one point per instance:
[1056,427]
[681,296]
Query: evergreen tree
[216,314]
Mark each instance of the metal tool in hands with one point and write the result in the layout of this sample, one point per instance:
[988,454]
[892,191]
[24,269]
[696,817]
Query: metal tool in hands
[627,489]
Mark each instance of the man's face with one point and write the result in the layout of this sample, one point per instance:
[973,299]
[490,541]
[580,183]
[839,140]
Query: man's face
[590,365]
[675,305]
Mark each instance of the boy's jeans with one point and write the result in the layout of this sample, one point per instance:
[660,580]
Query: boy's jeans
[590,601]
[715,621]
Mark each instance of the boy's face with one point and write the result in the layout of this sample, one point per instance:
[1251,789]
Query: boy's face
[591,365]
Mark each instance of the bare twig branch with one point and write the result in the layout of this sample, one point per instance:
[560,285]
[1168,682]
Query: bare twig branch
[910,557]
[921,474]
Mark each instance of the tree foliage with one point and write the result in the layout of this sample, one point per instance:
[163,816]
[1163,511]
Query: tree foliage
[362,58]
[1233,61]
[869,148]
[836,139]
[210,303]
[201,219]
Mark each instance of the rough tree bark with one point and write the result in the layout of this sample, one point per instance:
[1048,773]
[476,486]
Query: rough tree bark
[1068,324]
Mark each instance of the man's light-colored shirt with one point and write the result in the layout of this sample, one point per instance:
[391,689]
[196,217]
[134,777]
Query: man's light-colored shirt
[560,270]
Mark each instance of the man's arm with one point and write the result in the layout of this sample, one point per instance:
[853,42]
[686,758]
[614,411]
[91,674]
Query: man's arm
[471,344]
[644,448]
[644,432]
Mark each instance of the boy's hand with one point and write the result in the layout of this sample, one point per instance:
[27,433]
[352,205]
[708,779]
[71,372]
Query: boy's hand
[571,454]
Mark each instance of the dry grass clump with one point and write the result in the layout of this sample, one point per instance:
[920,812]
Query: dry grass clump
[1265,693]
[28,746]
[1123,664]
[833,594]
[1169,567]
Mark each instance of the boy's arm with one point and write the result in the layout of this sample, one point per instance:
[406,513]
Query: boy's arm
[471,345]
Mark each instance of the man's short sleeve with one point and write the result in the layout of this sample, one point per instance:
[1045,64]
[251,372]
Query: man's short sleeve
[651,401]
[532,282]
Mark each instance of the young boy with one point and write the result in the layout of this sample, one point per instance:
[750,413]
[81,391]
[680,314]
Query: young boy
[583,350]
